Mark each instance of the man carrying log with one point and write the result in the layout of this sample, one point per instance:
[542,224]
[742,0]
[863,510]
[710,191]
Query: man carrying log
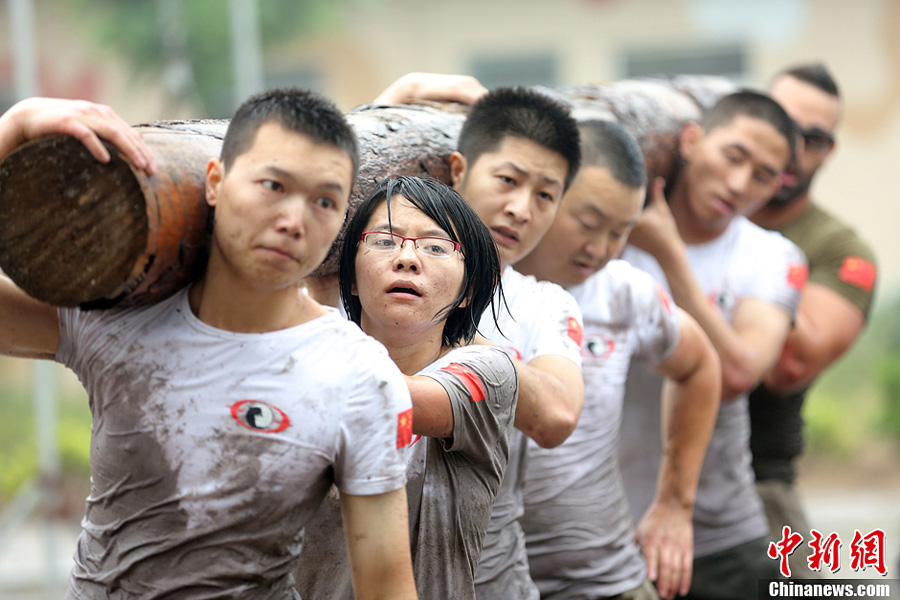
[517,153]
[741,284]
[222,414]
[579,534]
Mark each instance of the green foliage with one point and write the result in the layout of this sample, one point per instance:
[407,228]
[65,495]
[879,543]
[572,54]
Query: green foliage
[888,368]
[18,460]
[134,28]
[889,375]
[18,436]
[858,398]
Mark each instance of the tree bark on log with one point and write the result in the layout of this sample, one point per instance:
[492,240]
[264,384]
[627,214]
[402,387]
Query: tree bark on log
[75,232]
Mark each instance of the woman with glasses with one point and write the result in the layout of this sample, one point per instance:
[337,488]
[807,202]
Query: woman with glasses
[417,271]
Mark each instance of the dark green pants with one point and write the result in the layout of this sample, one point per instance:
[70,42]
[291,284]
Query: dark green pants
[645,591]
[732,574]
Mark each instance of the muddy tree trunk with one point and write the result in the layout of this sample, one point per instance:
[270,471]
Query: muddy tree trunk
[75,232]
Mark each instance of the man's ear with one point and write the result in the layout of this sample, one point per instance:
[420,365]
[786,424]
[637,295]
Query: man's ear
[830,152]
[458,167]
[215,173]
[690,136]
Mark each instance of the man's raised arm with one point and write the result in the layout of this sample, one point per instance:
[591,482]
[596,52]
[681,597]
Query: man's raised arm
[86,121]
[749,346]
[29,328]
[413,88]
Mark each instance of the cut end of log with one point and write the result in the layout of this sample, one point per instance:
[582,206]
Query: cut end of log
[94,212]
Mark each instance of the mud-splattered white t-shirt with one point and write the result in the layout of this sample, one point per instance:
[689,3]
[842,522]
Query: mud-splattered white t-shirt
[210,449]
[451,489]
[542,319]
[746,261]
[578,530]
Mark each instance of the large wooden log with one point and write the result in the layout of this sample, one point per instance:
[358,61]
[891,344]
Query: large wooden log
[76,232]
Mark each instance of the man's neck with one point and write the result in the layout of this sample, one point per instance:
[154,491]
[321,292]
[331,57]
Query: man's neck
[221,300]
[524,267]
[687,225]
[777,217]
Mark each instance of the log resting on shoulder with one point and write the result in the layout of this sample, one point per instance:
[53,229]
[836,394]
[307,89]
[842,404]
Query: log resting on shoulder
[76,232]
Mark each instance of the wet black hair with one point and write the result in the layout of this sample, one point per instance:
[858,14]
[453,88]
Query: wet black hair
[609,145]
[816,75]
[442,204]
[752,104]
[295,109]
[525,113]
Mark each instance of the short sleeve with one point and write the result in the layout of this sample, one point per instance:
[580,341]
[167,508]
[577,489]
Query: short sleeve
[376,428]
[87,337]
[558,326]
[846,265]
[657,326]
[780,274]
[483,387]
[68,334]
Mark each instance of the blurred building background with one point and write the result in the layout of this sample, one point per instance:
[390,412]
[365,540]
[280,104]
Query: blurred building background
[166,59]
[147,59]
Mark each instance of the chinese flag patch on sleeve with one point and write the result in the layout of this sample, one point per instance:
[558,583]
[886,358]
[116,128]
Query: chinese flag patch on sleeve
[404,428]
[469,379]
[797,274]
[664,298]
[574,331]
[859,272]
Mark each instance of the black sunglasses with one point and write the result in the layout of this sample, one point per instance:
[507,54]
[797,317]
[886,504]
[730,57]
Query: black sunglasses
[816,139]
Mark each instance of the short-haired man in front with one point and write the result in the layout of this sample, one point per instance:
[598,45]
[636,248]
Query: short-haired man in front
[223,413]
[741,284]
[517,154]
[579,535]
[832,311]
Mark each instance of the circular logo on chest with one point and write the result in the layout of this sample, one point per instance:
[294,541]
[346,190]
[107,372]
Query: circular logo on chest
[259,416]
[601,346]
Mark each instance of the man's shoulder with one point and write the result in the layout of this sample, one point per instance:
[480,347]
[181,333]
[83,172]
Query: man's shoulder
[818,230]
[344,333]
[622,274]
[619,284]
[525,289]
[765,244]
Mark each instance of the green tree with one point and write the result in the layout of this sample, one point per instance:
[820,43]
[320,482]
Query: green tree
[187,43]
[889,370]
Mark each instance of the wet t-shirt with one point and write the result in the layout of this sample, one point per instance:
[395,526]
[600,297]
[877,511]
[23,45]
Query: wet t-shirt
[538,319]
[578,529]
[746,261]
[452,485]
[210,449]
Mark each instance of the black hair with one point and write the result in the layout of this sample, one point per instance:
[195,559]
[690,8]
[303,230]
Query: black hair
[609,145]
[442,204]
[816,75]
[755,105]
[295,109]
[525,113]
